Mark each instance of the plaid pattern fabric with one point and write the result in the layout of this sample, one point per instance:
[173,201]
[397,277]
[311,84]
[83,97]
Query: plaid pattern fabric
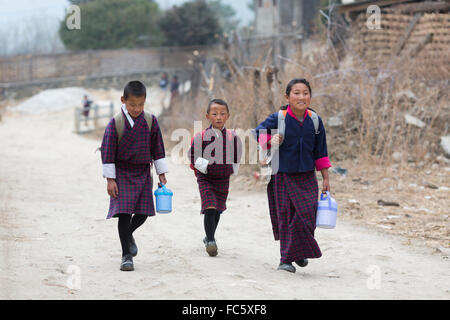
[217,151]
[132,158]
[214,186]
[213,191]
[293,199]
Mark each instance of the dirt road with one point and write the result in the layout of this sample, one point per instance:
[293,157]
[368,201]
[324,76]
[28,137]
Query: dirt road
[55,242]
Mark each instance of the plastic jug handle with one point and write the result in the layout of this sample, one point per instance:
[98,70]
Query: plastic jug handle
[163,186]
[329,198]
[322,196]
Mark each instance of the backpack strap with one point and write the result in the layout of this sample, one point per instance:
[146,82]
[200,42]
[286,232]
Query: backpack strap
[282,122]
[148,117]
[119,119]
[315,118]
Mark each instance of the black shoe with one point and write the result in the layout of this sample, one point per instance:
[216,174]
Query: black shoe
[302,263]
[286,267]
[211,247]
[127,263]
[133,247]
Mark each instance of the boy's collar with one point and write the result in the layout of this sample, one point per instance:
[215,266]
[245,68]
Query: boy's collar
[129,118]
[211,127]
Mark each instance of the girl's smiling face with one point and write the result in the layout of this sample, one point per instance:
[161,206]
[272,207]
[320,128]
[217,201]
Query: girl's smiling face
[218,116]
[299,98]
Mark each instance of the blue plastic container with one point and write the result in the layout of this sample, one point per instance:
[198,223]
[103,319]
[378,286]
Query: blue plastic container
[326,212]
[163,198]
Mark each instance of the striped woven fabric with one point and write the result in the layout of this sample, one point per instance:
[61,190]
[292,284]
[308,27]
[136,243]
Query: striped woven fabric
[293,199]
[132,157]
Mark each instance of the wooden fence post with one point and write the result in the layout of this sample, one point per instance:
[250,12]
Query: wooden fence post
[77,120]
[111,110]
[95,116]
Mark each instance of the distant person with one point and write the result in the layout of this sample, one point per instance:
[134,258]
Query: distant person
[86,108]
[174,87]
[214,168]
[127,166]
[164,86]
[164,82]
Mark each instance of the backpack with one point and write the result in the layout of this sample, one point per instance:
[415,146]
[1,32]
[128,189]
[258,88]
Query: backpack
[229,137]
[119,120]
[282,128]
[282,116]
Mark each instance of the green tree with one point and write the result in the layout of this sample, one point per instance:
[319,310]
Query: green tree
[225,15]
[251,5]
[193,23]
[78,2]
[111,24]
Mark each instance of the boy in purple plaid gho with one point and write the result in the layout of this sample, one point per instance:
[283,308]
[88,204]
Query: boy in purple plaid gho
[215,154]
[293,188]
[131,144]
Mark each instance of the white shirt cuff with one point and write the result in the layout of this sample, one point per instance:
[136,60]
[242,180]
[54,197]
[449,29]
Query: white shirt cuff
[109,170]
[236,168]
[201,165]
[161,166]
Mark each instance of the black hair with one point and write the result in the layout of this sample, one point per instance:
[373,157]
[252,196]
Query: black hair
[217,101]
[135,89]
[293,82]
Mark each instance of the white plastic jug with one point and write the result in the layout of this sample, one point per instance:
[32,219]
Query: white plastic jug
[326,212]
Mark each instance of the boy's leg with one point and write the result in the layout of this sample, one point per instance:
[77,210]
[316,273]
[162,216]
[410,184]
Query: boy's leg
[124,232]
[217,216]
[210,223]
[137,221]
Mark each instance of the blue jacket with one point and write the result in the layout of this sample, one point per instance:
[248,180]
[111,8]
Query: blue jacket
[302,149]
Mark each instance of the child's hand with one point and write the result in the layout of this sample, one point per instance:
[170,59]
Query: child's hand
[113,189]
[326,186]
[276,140]
[162,179]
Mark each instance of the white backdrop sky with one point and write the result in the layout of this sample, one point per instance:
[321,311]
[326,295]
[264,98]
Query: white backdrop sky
[32,25]
[18,11]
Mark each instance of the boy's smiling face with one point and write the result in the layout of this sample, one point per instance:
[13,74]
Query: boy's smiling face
[218,116]
[134,105]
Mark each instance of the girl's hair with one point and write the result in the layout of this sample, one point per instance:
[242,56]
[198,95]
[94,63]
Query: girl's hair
[135,89]
[293,82]
[217,101]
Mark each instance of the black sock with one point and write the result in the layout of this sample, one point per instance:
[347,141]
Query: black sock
[124,232]
[210,223]
[217,216]
[137,221]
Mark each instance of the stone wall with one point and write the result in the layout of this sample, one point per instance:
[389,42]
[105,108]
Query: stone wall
[21,76]
[93,63]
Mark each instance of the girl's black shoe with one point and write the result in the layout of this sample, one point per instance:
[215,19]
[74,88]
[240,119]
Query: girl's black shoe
[286,267]
[302,263]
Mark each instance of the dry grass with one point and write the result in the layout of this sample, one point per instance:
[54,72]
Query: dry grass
[387,158]
[371,104]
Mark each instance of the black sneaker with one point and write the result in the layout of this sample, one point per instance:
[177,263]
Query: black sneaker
[133,247]
[127,263]
[302,263]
